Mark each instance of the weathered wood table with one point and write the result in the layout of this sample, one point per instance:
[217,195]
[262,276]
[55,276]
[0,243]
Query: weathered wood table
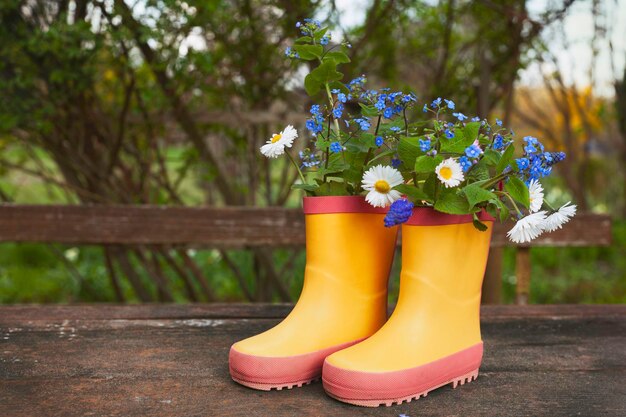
[171,360]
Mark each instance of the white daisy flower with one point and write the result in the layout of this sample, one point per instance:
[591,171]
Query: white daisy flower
[536,195]
[450,173]
[379,181]
[276,145]
[557,219]
[528,228]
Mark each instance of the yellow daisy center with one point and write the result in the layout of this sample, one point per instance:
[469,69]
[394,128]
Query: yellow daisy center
[446,173]
[382,186]
[276,138]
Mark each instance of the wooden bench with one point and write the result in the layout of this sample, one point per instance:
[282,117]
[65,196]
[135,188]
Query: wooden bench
[172,360]
[237,227]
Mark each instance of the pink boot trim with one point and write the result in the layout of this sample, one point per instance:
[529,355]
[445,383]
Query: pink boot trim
[266,373]
[371,389]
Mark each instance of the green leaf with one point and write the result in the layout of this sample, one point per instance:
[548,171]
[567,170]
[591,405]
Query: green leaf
[478,224]
[475,194]
[304,39]
[337,56]
[491,157]
[305,187]
[326,73]
[505,160]
[479,172]
[457,144]
[408,150]
[311,85]
[430,186]
[339,86]
[369,111]
[470,131]
[332,188]
[504,210]
[518,190]
[381,155]
[309,52]
[319,34]
[452,203]
[425,163]
[412,192]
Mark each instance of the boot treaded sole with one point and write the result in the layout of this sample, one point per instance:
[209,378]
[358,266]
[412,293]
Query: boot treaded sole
[461,380]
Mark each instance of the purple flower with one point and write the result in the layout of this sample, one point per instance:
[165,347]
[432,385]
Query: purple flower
[399,212]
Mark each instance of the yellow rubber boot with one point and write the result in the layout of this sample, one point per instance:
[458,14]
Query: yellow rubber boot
[433,336]
[344,299]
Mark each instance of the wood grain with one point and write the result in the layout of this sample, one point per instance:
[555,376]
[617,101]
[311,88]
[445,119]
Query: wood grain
[172,361]
[228,227]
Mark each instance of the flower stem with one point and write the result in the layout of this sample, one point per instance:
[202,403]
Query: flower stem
[297,167]
[332,106]
[507,195]
[549,205]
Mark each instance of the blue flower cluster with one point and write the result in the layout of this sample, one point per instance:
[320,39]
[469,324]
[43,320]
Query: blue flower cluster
[388,104]
[399,212]
[336,147]
[338,111]
[460,116]
[309,160]
[498,142]
[341,97]
[357,83]
[309,26]
[466,163]
[424,144]
[473,151]
[379,141]
[363,123]
[436,104]
[290,53]
[536,163]
[315,125]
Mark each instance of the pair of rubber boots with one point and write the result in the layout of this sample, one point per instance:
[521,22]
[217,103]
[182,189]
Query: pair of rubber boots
[339,328]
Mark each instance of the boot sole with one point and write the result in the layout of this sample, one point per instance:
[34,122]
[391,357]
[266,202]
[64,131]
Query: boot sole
[285,372]
[370,389]
[462,380]
[278,387]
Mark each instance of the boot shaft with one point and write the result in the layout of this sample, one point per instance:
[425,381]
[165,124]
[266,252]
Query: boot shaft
[347,243]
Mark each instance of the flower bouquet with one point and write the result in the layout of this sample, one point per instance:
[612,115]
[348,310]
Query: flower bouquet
[449,162]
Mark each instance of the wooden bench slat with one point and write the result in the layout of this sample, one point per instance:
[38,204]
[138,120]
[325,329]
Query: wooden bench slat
[228,227]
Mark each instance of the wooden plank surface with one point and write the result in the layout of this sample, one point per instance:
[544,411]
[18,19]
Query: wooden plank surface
[172,361]
[230,227]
